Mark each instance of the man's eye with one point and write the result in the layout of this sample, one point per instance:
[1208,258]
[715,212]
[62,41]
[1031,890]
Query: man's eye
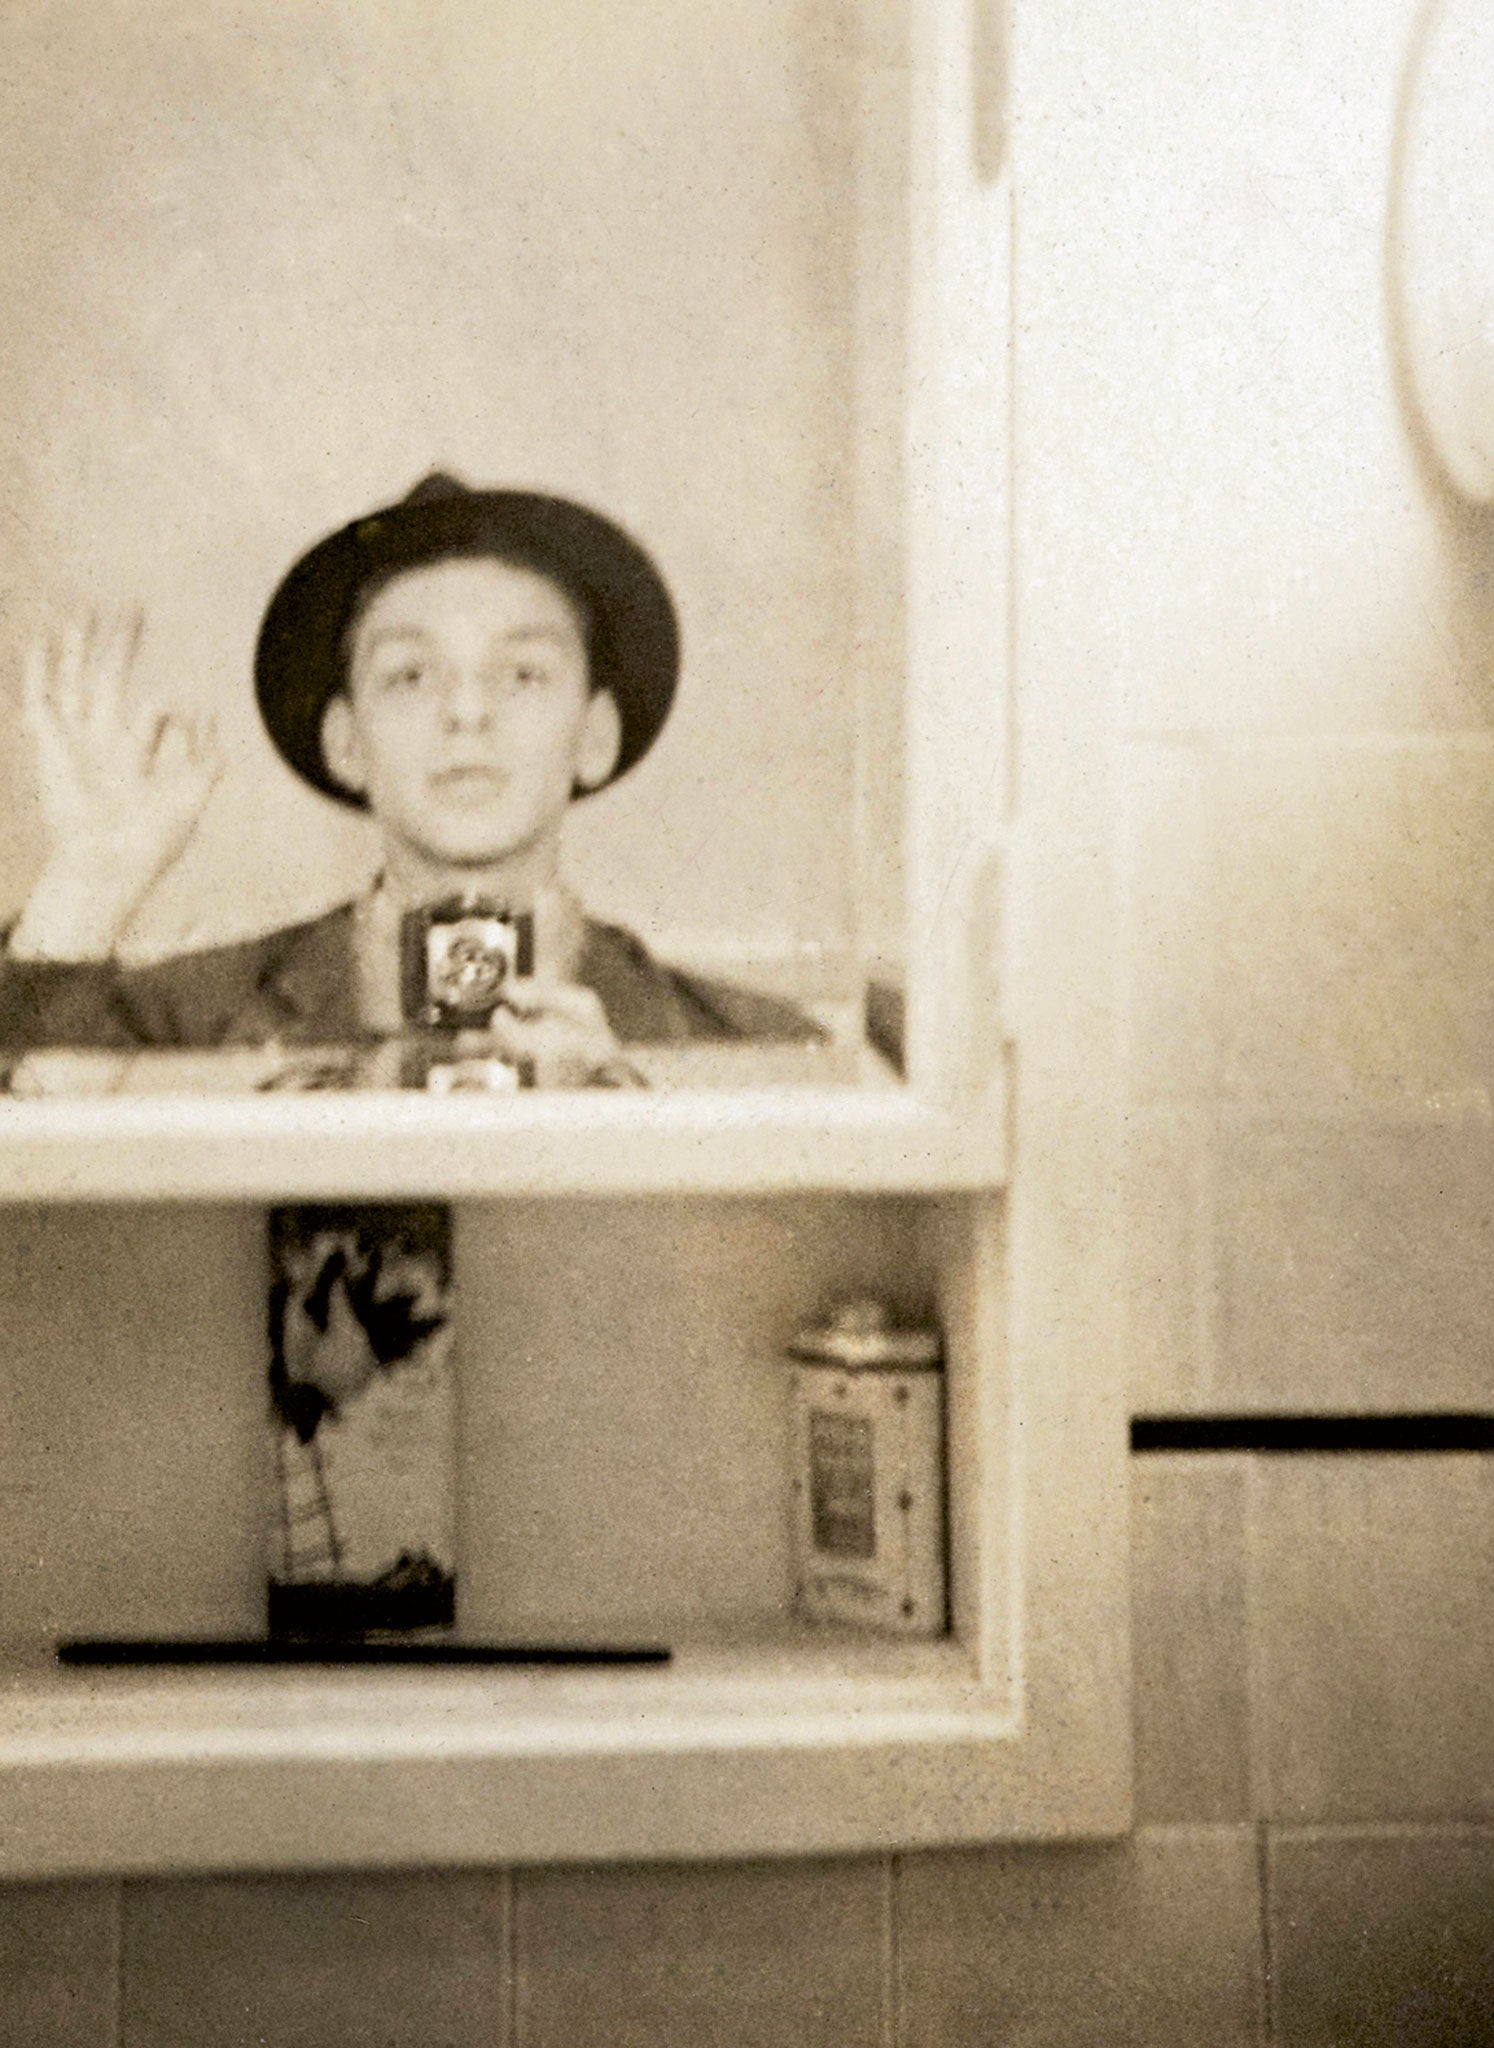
[528,673]
[405,675]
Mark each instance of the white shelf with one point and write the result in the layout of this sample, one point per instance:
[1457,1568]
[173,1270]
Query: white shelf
[771,1742]
[754,1751]
[325,1146]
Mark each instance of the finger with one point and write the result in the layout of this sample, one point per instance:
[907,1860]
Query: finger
[36,694]
[553,1037]
[116,643]
[207,759]
[170,751]
[197,746]
[206,747]
[69,693]
[39,714]
[166,749]
[510,1036]
[90,669]
[516,1038]
[537,995]
[468,1044]
[143,735]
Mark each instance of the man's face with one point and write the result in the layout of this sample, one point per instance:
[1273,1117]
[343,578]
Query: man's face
[469,716]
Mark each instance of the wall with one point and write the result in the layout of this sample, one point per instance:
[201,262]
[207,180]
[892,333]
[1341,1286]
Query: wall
[1222,520]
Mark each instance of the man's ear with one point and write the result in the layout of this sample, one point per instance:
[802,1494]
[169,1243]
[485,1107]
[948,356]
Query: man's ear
[341,747]
[601,741]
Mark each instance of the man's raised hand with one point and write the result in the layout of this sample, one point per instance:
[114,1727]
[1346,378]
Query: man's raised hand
[122,777]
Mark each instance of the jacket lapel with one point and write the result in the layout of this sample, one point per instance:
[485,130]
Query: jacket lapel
[307,991]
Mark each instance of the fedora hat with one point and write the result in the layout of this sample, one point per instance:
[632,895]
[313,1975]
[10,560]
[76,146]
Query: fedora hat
[300,661]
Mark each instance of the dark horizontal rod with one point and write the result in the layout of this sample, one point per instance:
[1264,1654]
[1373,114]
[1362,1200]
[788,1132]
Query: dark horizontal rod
[1285,1433]
[260,1650]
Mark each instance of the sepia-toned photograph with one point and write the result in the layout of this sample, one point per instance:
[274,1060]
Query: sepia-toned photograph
[746,1024]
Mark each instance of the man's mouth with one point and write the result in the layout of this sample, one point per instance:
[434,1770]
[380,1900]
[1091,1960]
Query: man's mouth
[471,780]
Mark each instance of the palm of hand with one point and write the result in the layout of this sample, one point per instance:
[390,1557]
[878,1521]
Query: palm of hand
[123,778]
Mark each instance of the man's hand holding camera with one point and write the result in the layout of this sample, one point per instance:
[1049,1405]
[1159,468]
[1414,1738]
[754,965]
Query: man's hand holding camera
[560,1031]
[470,974]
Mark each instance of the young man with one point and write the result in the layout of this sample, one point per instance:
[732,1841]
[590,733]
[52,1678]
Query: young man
[463,665]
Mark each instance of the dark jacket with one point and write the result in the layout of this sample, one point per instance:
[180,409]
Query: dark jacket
[298,986]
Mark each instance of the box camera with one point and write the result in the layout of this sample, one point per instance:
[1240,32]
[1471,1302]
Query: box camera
[456,957]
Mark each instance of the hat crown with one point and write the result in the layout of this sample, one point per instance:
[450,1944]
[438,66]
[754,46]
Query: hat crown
[438,486]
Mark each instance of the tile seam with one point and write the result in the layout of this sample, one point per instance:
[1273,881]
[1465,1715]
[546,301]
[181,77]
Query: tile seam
[1385,1830]
[513,2003]
[892,2015]
[1258,1789]
[116,1929]
[1270,2005]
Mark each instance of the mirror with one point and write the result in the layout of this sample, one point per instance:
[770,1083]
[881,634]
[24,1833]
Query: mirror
[268,265]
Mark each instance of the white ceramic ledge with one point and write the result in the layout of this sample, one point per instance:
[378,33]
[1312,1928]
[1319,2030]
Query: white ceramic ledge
[724,1753]
[332,1146]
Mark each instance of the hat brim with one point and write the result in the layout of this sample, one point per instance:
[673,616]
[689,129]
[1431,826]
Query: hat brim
[633,640]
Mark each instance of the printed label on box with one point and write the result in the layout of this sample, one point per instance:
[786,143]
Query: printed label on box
[842,1484]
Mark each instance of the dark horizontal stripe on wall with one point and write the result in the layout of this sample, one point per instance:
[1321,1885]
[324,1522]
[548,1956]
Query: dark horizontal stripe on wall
[1312,1433]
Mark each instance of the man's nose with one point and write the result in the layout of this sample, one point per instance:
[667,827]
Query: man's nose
[468,699]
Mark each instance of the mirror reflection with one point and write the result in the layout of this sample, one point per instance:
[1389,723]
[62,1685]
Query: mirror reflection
[452,630]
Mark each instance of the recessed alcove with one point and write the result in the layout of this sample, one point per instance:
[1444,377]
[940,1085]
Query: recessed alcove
[624,1474]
